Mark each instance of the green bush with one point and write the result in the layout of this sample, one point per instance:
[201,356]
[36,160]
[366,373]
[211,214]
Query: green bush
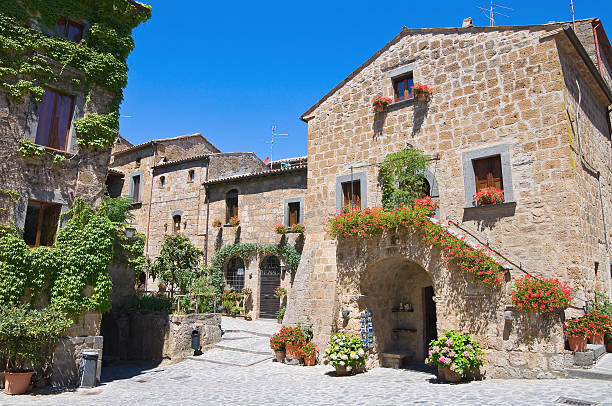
[150,302]
[29,335]
[177,264]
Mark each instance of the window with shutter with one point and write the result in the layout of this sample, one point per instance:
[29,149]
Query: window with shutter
[402,87]
[231,204]
[488,173]
[55,115]
[294,213]
[41,223]
[351,194]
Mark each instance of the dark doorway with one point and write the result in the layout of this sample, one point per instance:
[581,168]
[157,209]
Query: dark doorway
[431,331]
[270,276]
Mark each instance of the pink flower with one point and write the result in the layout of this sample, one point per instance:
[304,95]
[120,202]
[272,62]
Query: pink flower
[449,342]
[453,367]
[470,346]
[466,354]
[451,354]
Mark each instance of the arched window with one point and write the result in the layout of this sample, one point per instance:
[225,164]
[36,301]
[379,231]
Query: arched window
[177,224]
[426,187]
[231,204]
[235,273]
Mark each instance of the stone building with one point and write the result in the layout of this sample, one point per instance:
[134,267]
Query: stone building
[527,105]
[183,184]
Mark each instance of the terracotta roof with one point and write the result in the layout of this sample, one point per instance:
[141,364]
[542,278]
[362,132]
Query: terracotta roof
[407,31]
[153,142]
[272,172]
[182,161]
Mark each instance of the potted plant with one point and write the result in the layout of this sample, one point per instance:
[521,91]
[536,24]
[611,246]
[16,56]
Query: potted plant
[380,102]
[217,223]
[455,354]
[421,92]
[576,330]
[489,195]
[234,221]
[294,339]
[280,314]
[532,293]
[280,229]
[308,353]
[277,343]
[27,339]
[598,324]
[228,300]
[298,228]
[280,292]
[162,287]
[345,353]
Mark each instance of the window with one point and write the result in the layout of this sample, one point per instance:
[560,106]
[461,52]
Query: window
[69,29]
[351,194]
[235,274]
[55,115]
[231,204]
[294,213]
[162,181]
[136,188]
[488,173]
[402,87]
[41,223]
[191,176]
[177,224]
[426,187]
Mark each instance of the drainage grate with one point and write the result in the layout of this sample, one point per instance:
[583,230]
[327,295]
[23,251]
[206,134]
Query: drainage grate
[575,402]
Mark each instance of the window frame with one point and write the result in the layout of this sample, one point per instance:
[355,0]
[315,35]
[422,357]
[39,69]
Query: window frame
[286,213]
[469,178]
[191,176]
[363,187]
[131,189]
[41,214]
[235,212]
[66,25]
[57,93]
[408,78]
[488,160]
[176,228]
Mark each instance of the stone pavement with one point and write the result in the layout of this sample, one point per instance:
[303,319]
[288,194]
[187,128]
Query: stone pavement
[197,382]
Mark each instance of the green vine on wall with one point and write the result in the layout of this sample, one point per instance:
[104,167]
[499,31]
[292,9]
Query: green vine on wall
[80,258]
[31,60]
[288,254]
[401,175]
[29,149]
[12,194]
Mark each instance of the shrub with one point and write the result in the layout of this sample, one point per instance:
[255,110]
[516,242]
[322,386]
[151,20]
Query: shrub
[597,323]
[540,295]
[489,196]
[277,342]
[603,304]
[401,175]
[293,335]
[178,263]
[152,303]
[456,351]
[29,335]
[347,351]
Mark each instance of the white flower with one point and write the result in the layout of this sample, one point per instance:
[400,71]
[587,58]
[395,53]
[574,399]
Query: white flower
[361,353]
[333,356]
[344,357]
[342,363]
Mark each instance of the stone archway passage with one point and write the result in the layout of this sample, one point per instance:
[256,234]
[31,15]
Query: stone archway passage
[270,279]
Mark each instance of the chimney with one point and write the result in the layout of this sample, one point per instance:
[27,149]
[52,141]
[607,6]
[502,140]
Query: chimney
[467,23]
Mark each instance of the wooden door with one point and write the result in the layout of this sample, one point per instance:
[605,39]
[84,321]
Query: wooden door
[270,279]
[429,318]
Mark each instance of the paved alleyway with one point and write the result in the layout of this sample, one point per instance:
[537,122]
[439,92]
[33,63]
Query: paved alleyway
[224,379]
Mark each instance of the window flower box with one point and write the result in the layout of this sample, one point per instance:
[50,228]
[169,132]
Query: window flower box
[489,196]
[380,102]
[421,92]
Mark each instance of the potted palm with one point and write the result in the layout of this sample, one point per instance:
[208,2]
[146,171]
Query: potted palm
[27,338]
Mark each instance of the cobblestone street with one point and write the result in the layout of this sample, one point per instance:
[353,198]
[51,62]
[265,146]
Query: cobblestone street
[238,372]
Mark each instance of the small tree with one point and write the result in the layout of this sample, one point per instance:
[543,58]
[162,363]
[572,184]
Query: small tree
[177,264]
[401,175]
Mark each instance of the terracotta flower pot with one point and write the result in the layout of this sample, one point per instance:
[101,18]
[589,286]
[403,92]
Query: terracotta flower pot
[16,383]
[450,376]
[597,339]
[291,350]
[279,355]
[341,370]
[421,96]
[310,361]
[379,107]
[279,321]
[577,344]
[609,344]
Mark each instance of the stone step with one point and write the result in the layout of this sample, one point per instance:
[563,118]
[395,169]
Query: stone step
[253,346]
[602,370]
[598,350]
[231,357]
[255,333]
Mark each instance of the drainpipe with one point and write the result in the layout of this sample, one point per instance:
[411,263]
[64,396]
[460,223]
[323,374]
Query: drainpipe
[150,201]
[207,197]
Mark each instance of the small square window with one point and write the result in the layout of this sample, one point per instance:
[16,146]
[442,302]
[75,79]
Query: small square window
[351,196]
[294,213]
[488,173]
[191,175]
[54,118]
[402,87]
[69,29]
[162,181]
[41,223]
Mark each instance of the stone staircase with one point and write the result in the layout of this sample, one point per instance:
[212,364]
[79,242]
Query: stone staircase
[243,344]
[595,363]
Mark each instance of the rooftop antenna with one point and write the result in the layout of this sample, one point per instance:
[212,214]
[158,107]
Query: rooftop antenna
[573,18]
[490,12]
[273,139]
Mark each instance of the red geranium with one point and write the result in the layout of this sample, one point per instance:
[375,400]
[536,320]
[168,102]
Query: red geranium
[489,196]
[540,295]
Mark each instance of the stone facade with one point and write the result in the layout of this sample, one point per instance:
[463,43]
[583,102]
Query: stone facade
[504,90]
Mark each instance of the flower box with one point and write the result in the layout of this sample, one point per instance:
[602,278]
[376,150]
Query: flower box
[380,102]
[421,92]
[489,196]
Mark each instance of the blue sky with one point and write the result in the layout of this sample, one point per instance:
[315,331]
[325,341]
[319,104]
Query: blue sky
[232,72]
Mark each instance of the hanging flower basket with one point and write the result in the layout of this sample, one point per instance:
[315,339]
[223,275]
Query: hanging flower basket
[421,92]
[234,221]
[217,223]
[380,102]
[532,293]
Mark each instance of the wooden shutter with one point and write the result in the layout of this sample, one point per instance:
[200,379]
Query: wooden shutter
[488,173]
[294,214]
[357,194]
[346,194]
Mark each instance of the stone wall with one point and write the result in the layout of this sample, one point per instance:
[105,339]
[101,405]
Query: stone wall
[494,89]
[142,335]
[68,357]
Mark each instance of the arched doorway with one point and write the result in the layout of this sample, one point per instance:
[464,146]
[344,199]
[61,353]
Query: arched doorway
[234,275]
[399,294]
[270,278]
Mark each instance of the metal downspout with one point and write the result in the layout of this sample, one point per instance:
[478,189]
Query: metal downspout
[150,204]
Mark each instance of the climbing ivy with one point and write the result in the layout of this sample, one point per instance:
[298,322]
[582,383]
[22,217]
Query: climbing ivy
[30,59]
[288,254]
[401,175]
[28,148]
[12,194]
[80,258]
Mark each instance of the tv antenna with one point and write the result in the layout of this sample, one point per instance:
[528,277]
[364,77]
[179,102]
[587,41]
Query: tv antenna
[274,138]
[573,18]
[491,12]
